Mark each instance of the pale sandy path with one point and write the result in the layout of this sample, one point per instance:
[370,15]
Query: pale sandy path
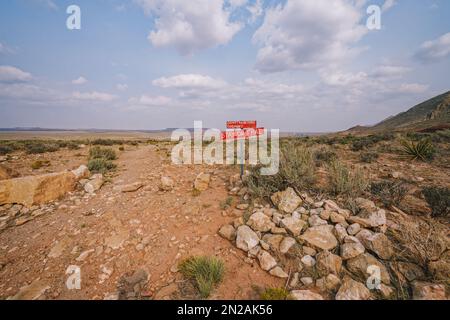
[152,230]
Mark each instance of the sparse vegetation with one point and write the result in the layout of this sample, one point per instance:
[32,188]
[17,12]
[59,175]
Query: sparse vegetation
[207,272]
[275,294]
[439,200]
[105,153]
[225,204]
[343,181]
[38,164]
[422,150]
[36,147]
[324,155]
[100,165]
[296,170]
[389,192]
[368,157]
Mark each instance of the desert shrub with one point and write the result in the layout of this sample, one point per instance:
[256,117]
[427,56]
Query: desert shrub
[72,145]
[105,153]
[133,143]
[368,157]
[121,148]
[324,155]
[5,149]
[343,181]
[296,170]
[438,199]
[39,164]
[422,150]
[35,147]
[389,192]
[226,203]
[441,136]
[275,294]
[358,145]
[100,165]
[207,272]
[105,142]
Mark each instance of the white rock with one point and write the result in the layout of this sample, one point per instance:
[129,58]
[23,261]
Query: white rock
[246,238]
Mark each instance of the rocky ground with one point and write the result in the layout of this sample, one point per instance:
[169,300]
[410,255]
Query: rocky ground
[127,232]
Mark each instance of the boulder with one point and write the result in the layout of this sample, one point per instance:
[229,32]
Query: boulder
[428,291]
[36,189]
[305,295]
[359,265]
[379,244]
[370,219]
[286,244]
[94,184]
[293,226]
[327,263]
[273,240]
[228,232]
[260,222]
[328,283]
[340,232]
[279,273]
[82,172]
[337,218]
[320,237]
[266,261]
[352,290]
[351,250]
[287,201]
[246,238]
[202,181]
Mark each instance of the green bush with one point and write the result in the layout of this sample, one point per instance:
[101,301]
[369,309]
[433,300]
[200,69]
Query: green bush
[275,294]
[105,153]
[422,150]
[324,155]
[207,272]
[100,165]
[438,199]
[35,147]
[343,181]
[297,168]
[5,149]
[368,157]
[39,164]
[389,192]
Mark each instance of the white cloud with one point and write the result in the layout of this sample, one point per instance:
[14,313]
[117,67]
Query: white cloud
[306,34]
[388,4]
[189,81]
[47,3]
[122,87]
[94,96]
[149,101]
[189,26]
[389,71]
[434,50]
[12,74]
[256,10]
[79,81]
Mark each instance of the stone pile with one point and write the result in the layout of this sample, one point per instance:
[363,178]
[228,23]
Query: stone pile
[322,250]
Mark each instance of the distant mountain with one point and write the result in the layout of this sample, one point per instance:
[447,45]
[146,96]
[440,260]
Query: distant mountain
[429,115]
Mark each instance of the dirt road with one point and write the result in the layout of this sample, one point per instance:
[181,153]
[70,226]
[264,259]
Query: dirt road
[110,235]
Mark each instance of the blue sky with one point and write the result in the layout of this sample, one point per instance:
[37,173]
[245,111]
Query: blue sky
[297,65]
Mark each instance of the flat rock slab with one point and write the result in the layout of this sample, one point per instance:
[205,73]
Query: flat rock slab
[321,237]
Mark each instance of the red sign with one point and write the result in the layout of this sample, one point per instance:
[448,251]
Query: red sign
[241,124]
[242,134]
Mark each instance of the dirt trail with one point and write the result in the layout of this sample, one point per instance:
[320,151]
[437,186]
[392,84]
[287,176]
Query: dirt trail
[112,234]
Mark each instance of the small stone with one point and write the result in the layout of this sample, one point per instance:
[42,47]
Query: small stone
[353,229]
[279,273]
[166,184]
[242,206]
[340,232]
[328,283]
[327,263]
[352,290]
[293,226]
[320,237]
[308,261]
[307,281]
[325,214]
[84,255]
[428,291]
[337,218]
[351,250]
[309,251]
[287,244]
[315,221]
[246,238]
[202,181]
[266,261]
[260,222]
[286,201]
[228,232]
[305,295]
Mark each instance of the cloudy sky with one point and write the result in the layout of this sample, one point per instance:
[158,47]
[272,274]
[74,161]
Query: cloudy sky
[297,65]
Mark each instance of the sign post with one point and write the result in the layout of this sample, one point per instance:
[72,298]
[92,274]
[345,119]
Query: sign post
[241,130]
